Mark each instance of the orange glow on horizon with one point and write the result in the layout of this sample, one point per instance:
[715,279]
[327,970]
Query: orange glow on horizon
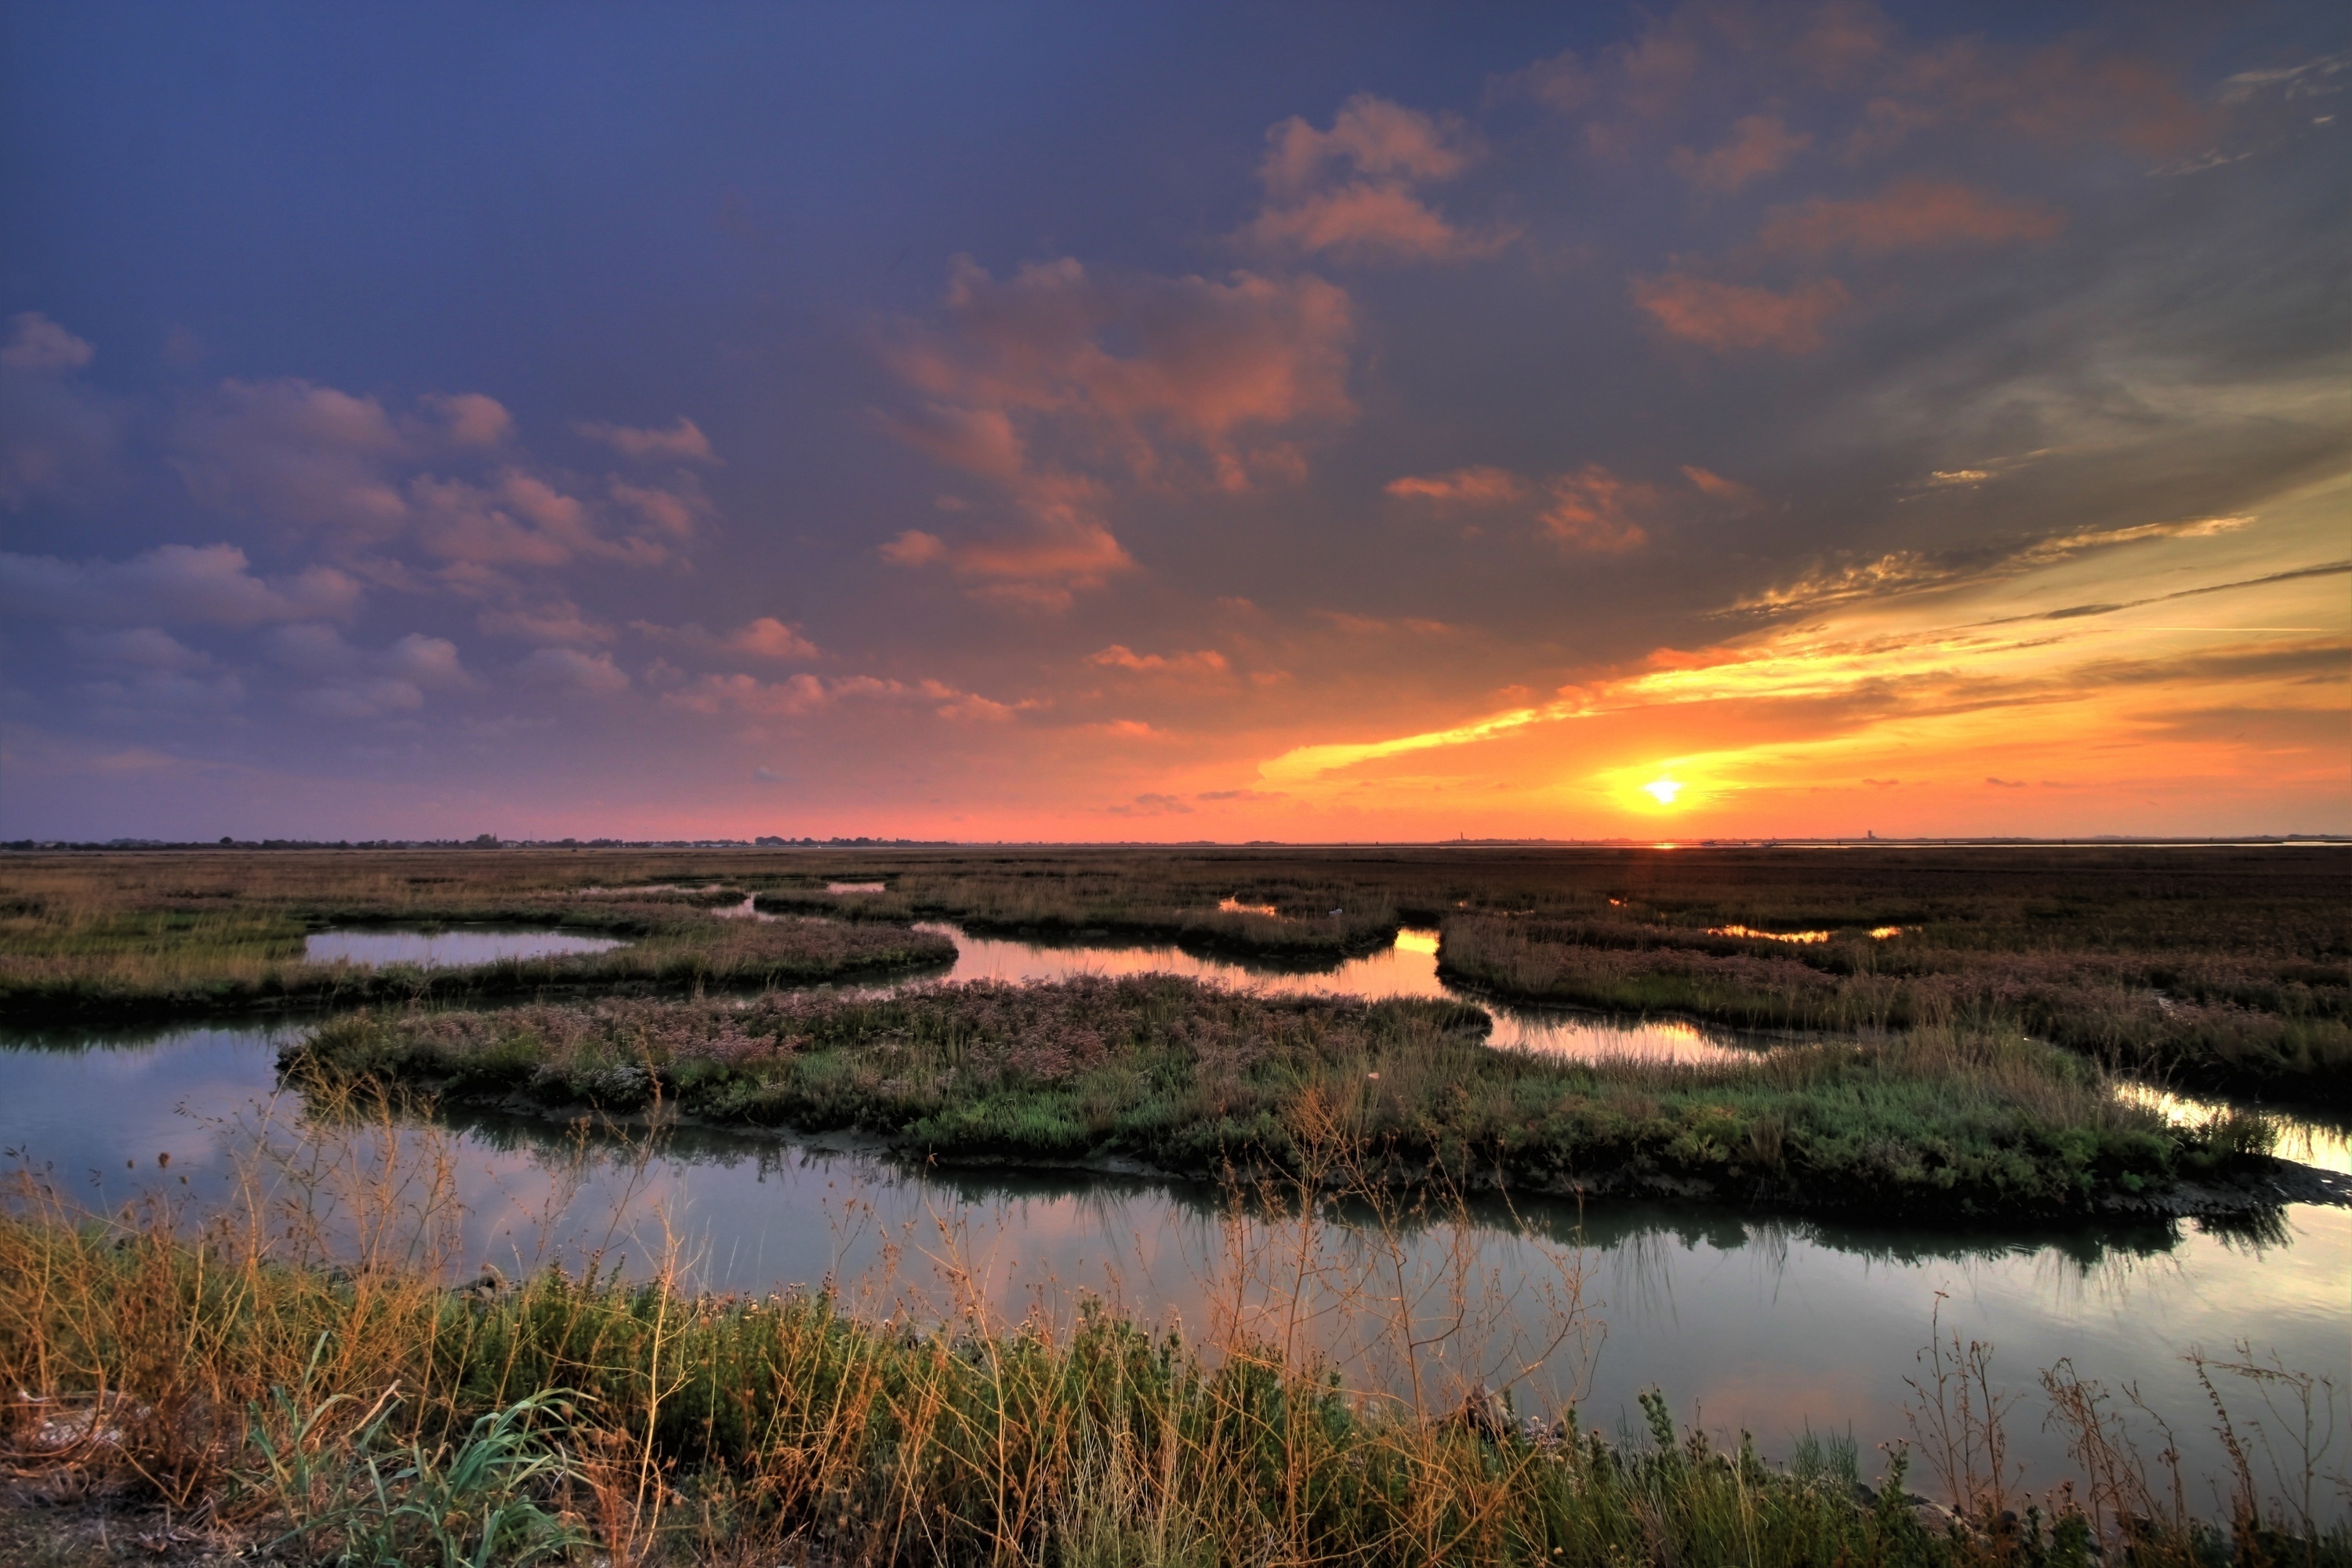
[2066,693]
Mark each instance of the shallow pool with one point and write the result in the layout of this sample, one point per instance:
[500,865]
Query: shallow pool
[1406,968]
[448,947]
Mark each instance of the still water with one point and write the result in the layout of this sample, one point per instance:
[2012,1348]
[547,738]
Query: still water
[1768,1325]
[1408,968]
[447,947]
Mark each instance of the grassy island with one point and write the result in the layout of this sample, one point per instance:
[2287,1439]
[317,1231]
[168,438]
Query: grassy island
[1178,1077]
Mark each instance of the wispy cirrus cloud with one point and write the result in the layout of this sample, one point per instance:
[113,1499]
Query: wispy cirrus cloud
[1900,573]
[1590,508]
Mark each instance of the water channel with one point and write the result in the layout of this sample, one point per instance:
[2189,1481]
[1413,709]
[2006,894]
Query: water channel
[1768,1325]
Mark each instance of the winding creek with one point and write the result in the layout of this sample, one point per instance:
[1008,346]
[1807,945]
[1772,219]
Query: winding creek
[1768,1325]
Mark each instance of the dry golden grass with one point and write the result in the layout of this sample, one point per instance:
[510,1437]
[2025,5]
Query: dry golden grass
[304,1367]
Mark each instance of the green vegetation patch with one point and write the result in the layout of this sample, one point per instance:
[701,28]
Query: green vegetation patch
[1197,1079]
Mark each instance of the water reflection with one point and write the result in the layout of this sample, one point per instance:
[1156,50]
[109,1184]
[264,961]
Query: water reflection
[1406,968]
[1762,1323]
[2301,1137]
[448,947]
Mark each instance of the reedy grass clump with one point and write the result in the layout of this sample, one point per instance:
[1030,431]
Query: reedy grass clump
[1202,1081]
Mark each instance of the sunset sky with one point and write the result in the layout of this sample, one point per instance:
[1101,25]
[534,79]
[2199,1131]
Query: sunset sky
[1190,422]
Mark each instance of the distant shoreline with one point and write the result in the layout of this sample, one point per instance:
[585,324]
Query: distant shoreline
[2091,841]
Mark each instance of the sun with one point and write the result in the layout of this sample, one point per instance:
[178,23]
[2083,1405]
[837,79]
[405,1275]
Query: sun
[1663,790]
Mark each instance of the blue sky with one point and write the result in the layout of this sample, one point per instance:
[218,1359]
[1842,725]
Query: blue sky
[1313,422]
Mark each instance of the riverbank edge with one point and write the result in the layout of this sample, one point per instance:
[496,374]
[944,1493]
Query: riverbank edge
[2255,1186]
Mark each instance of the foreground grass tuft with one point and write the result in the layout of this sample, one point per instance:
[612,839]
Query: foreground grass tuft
[368,1415]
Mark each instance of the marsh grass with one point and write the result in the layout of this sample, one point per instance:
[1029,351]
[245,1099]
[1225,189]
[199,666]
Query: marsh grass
[308,1365]
[1199,1082]
[2229,1020]
[1135,907]
[161,935]
[2217,966]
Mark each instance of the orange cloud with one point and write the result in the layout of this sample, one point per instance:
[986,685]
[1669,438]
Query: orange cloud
[683,442]
[1588,510]
[1118,656]
[914,548]
[1722,316]
[2057,93]
[1365,222]
[799,696]
[473,419]
[1348,192]
[1761,144]
[1481,485]
[1717,486]
[768,638]
[1909,214]
[1026,390]
[1373,136]
[1211,359]
[673,511]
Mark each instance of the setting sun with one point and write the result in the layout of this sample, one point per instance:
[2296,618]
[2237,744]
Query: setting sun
[1663,790]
